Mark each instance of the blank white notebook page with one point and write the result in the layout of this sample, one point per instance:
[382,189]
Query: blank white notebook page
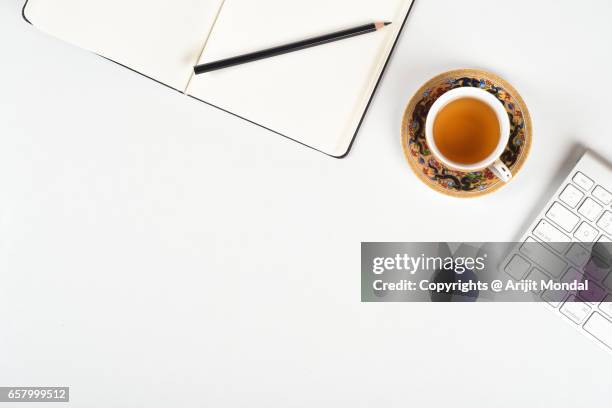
[159,38]
[315,96]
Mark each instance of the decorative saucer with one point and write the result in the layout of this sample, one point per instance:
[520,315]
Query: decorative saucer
[430,170]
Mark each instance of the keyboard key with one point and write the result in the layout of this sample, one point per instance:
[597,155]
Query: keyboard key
[606,306]
[597,268]
[563,217]
[590,209]
[608,282]
[586,233]
[517,267]
[571,196]
[538,276]
[594,293]
[602,195]
[554,297]
[605,222]
[578,255]
[551,234]
[603,249]
[544,257]
[583,181]
[573,274]
[600,328]
[576,310]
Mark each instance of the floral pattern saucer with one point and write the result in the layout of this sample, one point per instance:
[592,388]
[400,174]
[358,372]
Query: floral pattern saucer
[430,170]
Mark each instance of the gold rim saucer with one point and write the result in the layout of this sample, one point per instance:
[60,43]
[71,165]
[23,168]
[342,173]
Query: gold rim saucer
[431,171]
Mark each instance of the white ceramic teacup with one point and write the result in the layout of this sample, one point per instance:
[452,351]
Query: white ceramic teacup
[493,161]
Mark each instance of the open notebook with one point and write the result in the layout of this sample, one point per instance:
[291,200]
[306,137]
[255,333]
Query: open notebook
[317,96]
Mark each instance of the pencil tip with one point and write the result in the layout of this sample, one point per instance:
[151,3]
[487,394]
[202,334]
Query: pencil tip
[387,23]
[380,24]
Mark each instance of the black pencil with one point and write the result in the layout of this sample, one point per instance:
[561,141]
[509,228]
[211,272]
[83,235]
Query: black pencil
[287,48]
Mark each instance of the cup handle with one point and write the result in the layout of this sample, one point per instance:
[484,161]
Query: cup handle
[501,171]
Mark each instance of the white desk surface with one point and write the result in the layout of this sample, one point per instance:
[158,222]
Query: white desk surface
[157,252]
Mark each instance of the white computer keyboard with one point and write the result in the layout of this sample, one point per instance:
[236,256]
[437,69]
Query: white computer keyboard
[562,243]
